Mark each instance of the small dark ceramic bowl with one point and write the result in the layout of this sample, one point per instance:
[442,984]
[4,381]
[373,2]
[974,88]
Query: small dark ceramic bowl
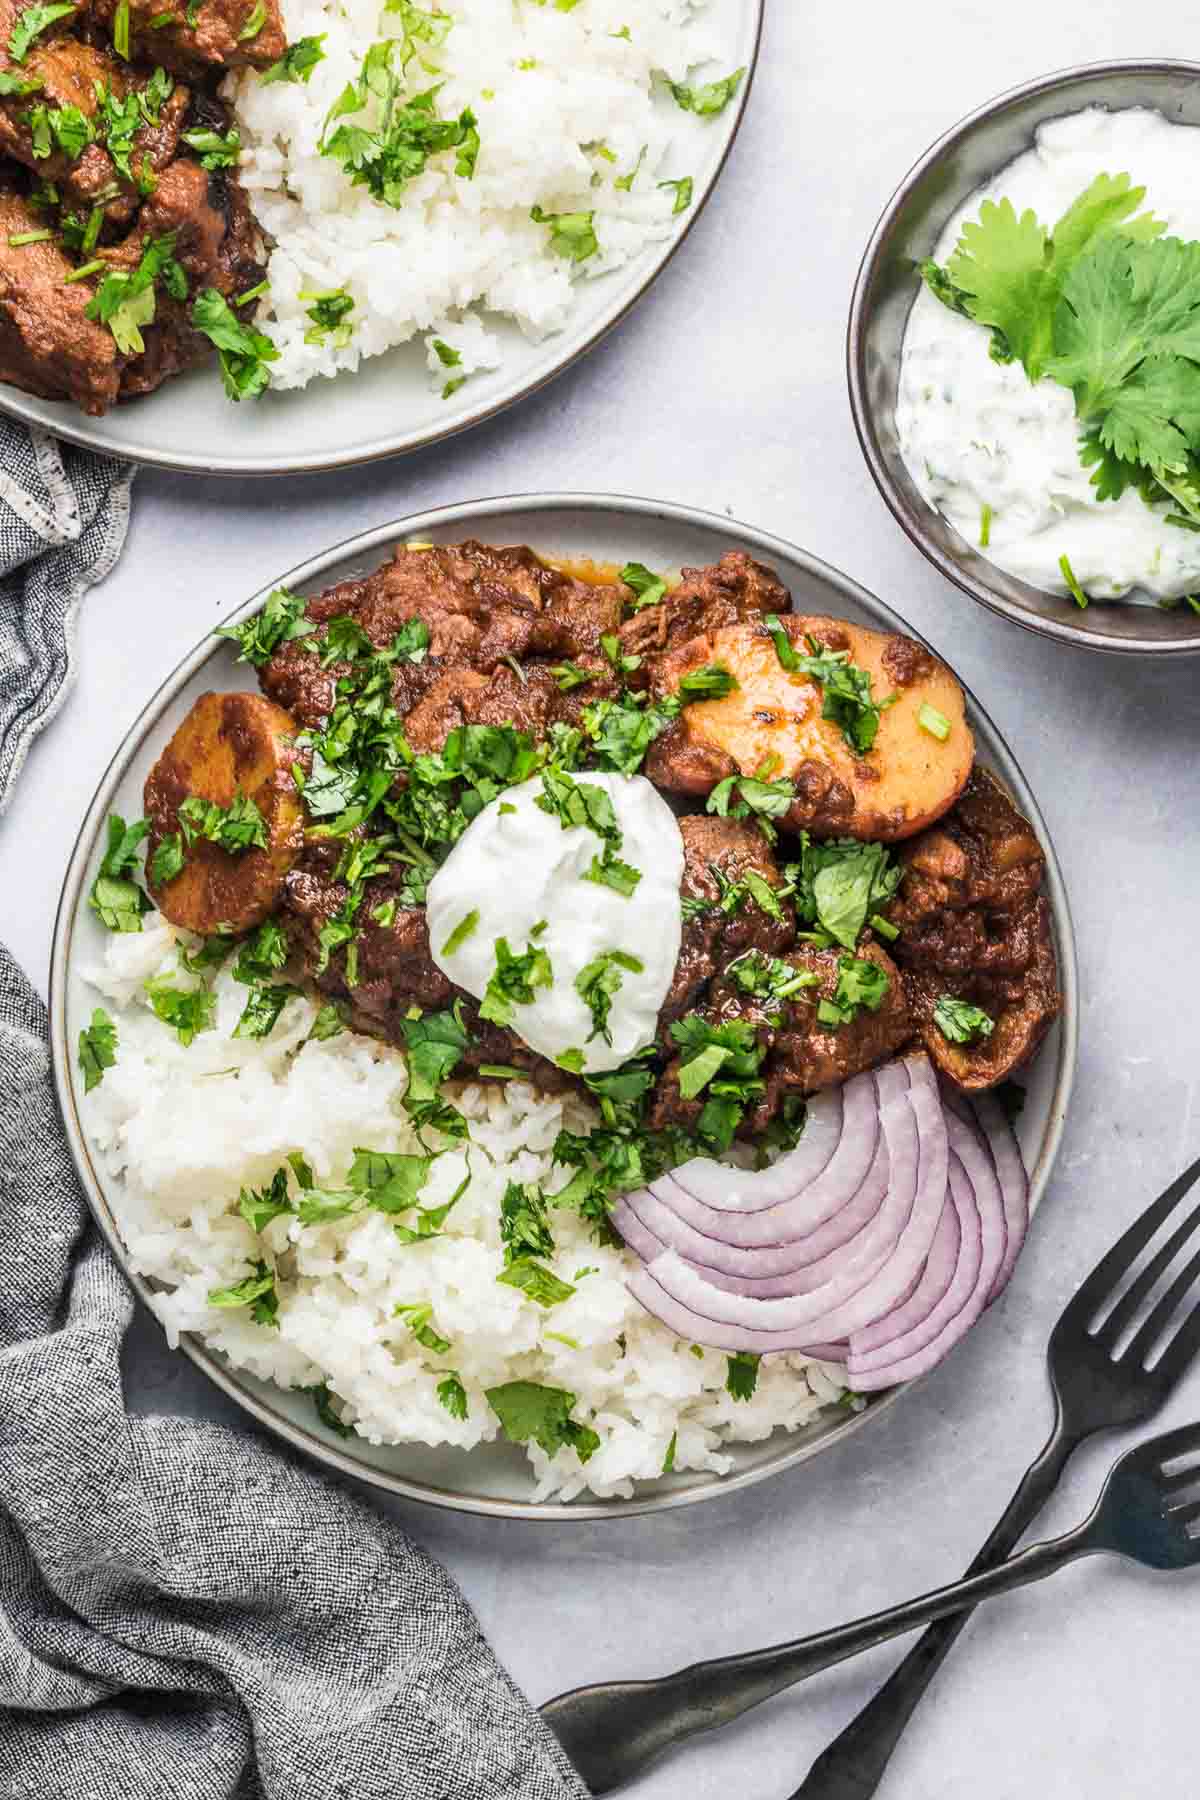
[913,221]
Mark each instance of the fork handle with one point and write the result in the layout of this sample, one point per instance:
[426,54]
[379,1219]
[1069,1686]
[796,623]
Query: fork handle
[613,1729]
[853,1765]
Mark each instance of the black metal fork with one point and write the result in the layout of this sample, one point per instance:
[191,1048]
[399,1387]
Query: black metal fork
[1100,1383]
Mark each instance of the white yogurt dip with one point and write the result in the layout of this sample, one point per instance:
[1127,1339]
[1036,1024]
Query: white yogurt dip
[523,873]
[977,434]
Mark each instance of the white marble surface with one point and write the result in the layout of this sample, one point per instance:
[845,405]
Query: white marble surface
[726,389]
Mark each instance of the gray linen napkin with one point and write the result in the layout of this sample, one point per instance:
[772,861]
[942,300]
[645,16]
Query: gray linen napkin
[186,1611]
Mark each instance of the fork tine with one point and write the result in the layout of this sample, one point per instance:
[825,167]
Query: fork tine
[1164,1449]
[1183,1515]
[1180,1351]
[1161,1315]
[1109,1270]
[1126,1307]
[1181,1480]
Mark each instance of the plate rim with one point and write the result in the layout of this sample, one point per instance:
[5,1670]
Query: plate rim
[77,428]
[71,901]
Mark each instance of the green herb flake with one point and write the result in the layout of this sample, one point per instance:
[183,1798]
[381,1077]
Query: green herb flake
[683,193]
[571,234]
[1073,587]
[245,354]
[711,97]
[188,1011]
[930,720]
[536,1282]
[215,149]
[741,1374]
[32,23]
[297,62]
[322,1399]
[597,984]
[462,931]
[97,1049]
[646,587]
[257,1291]
[453,1395]
[960,1022]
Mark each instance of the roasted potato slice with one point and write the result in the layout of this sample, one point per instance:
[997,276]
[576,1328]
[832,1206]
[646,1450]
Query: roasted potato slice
[229,745]
[909,777]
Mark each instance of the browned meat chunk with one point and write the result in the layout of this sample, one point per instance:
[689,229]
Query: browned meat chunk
[802,1054]
[218,245]
[71,73]
[391,969]
[722,916]
[974,927]
[482,607]
[727,592]
[48,346]
[216,34]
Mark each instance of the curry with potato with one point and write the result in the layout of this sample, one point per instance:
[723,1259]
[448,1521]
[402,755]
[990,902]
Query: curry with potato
[852,881]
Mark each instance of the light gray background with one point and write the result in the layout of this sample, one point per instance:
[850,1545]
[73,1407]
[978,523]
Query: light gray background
[726,389]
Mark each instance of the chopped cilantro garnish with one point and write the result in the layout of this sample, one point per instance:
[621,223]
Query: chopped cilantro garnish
[216,150]
[769,977]
[961,1022]
[188,1011]
[244,352]
[298,60]
[258,1206]
[116,898]
[255,19]
[446,354]
[453,1395]
[527,1410]
[327,1024]
[322,1399]
[569,675]
[536,1281]
[1068,574]
[837,883]
[31,24]
[598,982]
[571,234]
[238,827]
[330,315]
[683,192]
[462,931]
[725,1059]
[646,587]
[848,700]
[745,796]
[514,981]
[712,682]
[400,133]
[668,1462]
[97,1049]
[264,1004]
[710,97]
[257,1292]
[862,986]
[741,1374]
[281,619]
[418,1316]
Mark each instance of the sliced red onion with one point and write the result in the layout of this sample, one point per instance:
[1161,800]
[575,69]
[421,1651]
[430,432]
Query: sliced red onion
[652,1219]
[885,1273]
[952,1245]
[1005,1152]
[717,1184]
[753,1222]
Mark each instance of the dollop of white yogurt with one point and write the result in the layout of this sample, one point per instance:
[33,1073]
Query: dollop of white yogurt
[519,868]
[979,434]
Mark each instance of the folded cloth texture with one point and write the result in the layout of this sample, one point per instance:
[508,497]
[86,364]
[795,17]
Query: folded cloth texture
[63,518]
[186,1612]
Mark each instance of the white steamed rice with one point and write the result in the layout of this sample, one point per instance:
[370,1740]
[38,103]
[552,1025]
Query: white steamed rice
[547,87]
[186,1128]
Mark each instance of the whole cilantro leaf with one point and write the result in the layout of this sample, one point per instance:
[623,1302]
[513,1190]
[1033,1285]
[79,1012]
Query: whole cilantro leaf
[528,1411]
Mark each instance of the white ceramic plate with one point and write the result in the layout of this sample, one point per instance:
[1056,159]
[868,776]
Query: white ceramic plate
[387,405]
[496,1478]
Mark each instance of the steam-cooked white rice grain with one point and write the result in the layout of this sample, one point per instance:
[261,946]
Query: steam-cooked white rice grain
[547,87]
[187,1128]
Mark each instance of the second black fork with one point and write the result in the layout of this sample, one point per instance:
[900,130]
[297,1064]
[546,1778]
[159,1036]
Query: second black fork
[1099,1385]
